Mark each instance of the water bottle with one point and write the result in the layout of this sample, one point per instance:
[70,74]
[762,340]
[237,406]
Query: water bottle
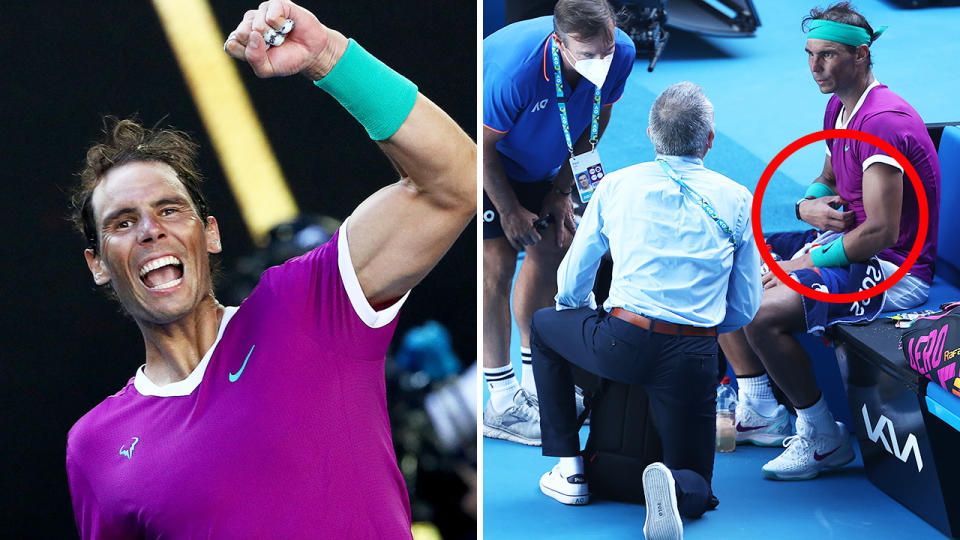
[726,409]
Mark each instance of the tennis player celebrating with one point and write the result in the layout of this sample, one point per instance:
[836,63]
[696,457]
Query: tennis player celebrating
[267,420]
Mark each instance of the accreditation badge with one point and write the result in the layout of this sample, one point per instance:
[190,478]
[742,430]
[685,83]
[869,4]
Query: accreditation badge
[587,173]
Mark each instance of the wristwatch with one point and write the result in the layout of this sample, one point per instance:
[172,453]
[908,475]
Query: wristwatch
[796,207]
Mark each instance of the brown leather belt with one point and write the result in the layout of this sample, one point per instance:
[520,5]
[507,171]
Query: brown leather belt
[661,327]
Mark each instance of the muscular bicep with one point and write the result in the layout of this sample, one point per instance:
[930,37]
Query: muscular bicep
[883,199]
[398,234]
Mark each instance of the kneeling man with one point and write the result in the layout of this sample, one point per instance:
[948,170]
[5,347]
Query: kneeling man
[684,269]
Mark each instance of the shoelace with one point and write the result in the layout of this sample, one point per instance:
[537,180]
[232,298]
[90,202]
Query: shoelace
[529,399]
[531,403]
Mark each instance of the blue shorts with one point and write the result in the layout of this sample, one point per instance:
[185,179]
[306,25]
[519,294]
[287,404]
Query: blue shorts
[529,194]
[818,315]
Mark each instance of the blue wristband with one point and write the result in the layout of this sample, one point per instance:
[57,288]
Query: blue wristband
[377,96]
[831,254]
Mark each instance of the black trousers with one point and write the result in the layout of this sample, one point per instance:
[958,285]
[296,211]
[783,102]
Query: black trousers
[679,374]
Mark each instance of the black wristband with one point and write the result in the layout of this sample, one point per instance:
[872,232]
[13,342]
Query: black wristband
[796,207]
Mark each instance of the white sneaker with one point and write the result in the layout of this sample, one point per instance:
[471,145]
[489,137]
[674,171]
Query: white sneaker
[663,518]
[569,490]
[518,423]
[762,430]
[809,452]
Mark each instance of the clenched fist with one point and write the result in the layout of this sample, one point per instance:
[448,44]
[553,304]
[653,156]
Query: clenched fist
[310,48]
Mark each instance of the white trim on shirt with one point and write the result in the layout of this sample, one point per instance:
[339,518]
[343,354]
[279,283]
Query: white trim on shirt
[881,158]
[840,124]
[185,387]
[370,317]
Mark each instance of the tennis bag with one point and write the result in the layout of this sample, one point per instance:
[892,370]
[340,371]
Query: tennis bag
[932,347]
[623,438]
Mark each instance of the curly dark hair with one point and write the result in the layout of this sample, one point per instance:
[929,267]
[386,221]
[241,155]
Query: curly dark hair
[841,12]
[127,141]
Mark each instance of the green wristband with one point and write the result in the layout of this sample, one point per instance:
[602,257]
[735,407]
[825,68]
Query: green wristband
[817,190]
[377,96]
[831,254]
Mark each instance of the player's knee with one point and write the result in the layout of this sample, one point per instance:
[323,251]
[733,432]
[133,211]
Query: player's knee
[766,322]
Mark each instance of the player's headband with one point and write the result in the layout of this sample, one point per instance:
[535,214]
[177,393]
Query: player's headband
[847,34]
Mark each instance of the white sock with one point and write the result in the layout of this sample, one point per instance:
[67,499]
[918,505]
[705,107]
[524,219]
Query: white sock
[526,372]
[757,393]
[503,385]
[570,466]
[819,417]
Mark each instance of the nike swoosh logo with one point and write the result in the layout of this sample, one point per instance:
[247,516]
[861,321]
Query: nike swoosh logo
[234,376]
[821,457]
[827,248]
[742,429]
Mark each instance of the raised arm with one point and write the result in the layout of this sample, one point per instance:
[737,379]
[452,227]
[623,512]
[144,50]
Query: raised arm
[400,232]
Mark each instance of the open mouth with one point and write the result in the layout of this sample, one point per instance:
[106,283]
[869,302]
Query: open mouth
[162,273]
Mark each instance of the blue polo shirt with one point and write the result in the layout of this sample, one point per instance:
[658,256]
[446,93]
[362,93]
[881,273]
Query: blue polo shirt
[520,97]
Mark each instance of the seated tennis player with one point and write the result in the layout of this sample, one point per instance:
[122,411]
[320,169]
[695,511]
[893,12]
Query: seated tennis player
[266,420]
[852,249]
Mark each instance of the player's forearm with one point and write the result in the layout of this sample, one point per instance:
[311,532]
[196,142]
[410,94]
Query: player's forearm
[436,156]
[870,238]
[827,181]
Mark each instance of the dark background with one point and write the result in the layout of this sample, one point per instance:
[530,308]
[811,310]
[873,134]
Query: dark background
[65,346]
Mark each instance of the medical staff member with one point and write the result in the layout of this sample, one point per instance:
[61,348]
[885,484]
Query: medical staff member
[549,85]
[684,270]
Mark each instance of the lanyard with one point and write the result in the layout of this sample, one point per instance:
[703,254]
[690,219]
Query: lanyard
[705,204]
[562,104]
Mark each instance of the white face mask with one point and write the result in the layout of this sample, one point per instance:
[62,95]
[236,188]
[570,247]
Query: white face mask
[594,69]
